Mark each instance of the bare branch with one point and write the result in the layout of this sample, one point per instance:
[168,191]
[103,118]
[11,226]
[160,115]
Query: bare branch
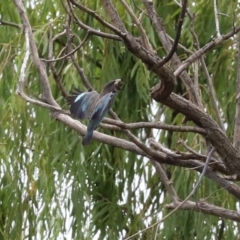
[22,78]
[203,172]
[236,134]
[70,53]
[163,37]
[216,18]
[23,70]
[180,45]
[212,94]
[182,203]
[7,23]
[56,76]
[156,125]
[85,81]
[119,30]
[145,40]
[209,80]
[33,49]
[117,142]
[88,28]
[165,180]
[204,207]
[178,35]
[230,156]
[196,55]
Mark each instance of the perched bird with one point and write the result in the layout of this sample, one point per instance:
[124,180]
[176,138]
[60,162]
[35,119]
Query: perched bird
[93,106]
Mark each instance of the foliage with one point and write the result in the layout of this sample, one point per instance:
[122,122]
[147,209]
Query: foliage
[54,188]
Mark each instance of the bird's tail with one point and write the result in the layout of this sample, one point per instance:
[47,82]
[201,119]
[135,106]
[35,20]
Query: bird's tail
[87,139]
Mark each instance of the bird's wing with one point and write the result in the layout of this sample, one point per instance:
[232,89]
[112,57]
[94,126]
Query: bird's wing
[82,103]
[102,107]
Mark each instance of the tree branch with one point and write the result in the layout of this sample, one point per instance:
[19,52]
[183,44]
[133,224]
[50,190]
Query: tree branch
[145,39]
[178,35]
[88,28]
[80,71]
[119,30]
[56,76]
[216,18]
[208,208]
[156,125]
[70,53]
[166,182]
[230,156]
[236,134]
[34,52]
[196,55]
[162,35]
[209,80]
[181,203]
[6,23]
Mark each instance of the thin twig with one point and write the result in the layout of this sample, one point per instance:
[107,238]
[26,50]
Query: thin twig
[119,31]
[209,80]
[7,23]
[70,53]
[180,46]
[58,35]
[203,173]
[165,180]
[212,94]
[190,149]
[80,71]
[88,28]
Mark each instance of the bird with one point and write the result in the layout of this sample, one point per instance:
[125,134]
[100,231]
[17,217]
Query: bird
[93,106]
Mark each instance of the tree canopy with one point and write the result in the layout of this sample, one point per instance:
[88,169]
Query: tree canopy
[164,163]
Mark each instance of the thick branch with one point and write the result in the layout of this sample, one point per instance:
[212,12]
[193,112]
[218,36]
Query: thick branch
[208,208]
[162,35]
[34,52]
[135,47]
[230,156]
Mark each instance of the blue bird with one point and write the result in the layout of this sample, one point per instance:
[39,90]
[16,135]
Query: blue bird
[93,106]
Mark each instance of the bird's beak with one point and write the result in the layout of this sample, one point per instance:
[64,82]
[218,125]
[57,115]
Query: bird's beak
[118,84]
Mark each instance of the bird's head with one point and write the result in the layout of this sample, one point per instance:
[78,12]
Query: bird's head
[112,86]
[118,84]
